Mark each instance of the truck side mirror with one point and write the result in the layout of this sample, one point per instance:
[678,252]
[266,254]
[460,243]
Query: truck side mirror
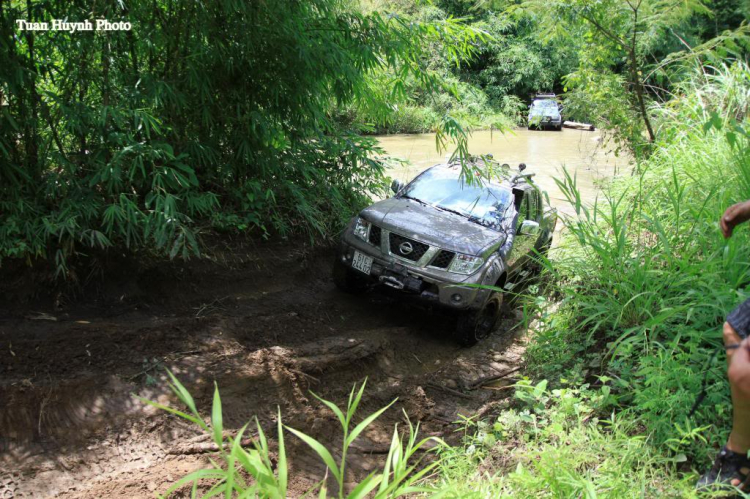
[529,228]
[396,185]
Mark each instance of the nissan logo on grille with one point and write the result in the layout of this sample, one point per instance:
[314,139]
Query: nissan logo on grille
[405,248]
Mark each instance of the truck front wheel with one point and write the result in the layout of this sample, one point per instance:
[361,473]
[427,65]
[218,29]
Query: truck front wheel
[476,325]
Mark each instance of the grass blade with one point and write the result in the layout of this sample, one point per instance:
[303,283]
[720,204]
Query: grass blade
[216,418]
[319,449]
[282,464]
[364,424]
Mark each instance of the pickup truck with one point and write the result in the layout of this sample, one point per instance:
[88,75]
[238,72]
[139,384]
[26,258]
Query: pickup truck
[439,238]
[544,112]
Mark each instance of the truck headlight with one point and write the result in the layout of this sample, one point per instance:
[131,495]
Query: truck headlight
[362,228]
[465,264]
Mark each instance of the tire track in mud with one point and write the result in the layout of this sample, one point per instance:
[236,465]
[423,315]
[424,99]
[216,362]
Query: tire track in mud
[70,426]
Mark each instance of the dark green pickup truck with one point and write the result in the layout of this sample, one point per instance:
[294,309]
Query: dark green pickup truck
[438,234]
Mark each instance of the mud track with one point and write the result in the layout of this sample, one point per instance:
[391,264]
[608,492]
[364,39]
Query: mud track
[268,326]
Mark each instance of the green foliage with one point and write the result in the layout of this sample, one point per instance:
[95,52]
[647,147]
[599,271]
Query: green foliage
[204,112]
[255,461]
[468,106]
[401,473]
[665,278]
[517,61]
[554,443]
[627,51]
[490,89]
[631,324]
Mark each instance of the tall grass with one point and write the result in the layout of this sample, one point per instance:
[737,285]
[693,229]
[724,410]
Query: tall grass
[648,278]
[642,284]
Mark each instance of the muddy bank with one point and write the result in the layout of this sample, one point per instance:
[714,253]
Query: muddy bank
[267,324]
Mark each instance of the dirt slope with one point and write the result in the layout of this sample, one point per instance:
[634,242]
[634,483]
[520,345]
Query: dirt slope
[266,324]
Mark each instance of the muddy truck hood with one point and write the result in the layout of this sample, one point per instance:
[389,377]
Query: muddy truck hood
[433,226]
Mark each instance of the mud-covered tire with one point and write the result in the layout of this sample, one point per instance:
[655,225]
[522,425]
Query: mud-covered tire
[346,280]
[475,325]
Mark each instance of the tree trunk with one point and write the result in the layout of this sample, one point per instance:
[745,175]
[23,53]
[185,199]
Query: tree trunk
[639,91]
[635,73]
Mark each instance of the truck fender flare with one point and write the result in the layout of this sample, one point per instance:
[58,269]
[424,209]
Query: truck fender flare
[496,274]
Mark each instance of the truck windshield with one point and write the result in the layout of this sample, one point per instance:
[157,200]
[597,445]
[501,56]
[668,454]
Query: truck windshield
[545,104]
[443,189]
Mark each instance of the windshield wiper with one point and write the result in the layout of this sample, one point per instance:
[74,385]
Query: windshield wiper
[404,196]
[464,215]
[483,222]
[441,208]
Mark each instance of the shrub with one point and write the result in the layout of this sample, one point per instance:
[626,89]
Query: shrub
[400,475]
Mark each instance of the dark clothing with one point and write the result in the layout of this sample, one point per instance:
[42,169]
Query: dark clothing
[739,319]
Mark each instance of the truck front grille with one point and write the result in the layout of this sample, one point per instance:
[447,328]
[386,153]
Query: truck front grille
[443,259]
[404,247]
[375,234]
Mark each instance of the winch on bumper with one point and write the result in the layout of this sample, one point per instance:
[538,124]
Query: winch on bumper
[430,285]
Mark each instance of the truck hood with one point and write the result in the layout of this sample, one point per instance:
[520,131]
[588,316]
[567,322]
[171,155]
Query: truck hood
[435,227]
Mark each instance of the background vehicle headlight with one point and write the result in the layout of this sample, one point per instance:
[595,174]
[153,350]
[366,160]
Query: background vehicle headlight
[361,228]
[465,264]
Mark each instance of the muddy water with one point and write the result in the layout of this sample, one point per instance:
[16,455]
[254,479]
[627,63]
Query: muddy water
[544,152]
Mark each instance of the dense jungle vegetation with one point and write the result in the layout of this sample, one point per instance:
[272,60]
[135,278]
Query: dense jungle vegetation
[141,139]
[255,118]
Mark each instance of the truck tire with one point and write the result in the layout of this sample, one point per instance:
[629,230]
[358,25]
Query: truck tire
[536,266]
[544,249]
[475,325]
[346,280]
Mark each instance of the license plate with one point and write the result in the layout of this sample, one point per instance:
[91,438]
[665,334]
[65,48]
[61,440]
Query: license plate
[361,262]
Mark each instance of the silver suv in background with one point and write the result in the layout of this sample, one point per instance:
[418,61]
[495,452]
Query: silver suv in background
[544,112]
[438,237]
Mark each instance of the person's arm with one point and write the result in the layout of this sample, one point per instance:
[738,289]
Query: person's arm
[735,215]
[739,368]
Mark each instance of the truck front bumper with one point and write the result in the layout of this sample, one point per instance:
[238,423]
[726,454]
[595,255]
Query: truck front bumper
[430,286]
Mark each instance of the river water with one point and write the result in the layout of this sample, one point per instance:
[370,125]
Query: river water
[544,152]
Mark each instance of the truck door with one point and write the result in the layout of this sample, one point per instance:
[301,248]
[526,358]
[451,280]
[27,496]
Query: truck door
[523,242]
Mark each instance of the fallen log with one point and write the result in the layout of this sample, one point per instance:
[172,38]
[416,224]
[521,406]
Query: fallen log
[455,393]
[579,126]
[363,448]
[489,379]
[206,447]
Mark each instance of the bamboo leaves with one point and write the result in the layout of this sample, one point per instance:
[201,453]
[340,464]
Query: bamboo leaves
[152,133]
